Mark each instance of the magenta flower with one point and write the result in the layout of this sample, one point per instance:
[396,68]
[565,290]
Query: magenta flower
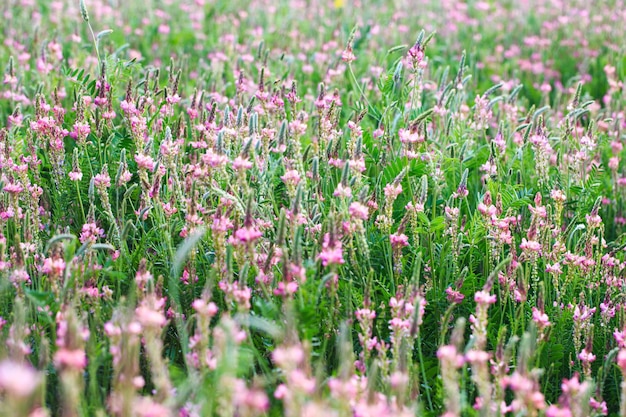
[291,177]
[484,298]
[149,317]
[247,235]
[241,164]
[347,55]
[358,210]
[399,240]
[454,296]
[18,379]
[342,191]
[102,180]
[53,267]
[13,188]
[331,252]
[145,162]
[392,191]
[70,359]
[540,318]
[91,232]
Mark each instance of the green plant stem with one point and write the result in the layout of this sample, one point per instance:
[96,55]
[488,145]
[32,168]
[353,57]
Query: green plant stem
[95,42]
[423,370]
[358,85]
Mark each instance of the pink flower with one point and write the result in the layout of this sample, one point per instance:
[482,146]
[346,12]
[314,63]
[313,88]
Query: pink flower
[365,313]
[477,356]
[124,178]
[15,120]
[454,296]
[484,298]
[555,411]
[358,210]
[449,354]
[204,309]
[288,356]
[541,318]
[173,99]
[144,162]
[620,337]
[18,379]
[240,164]
[81,131]
[291,177]
[72,359]
[593,220]
[408,136]
[53,267]
[342,191]
[102,180]
[399,240]
[149,317]
[586,356]
[598,406]
[530,245]
[621,360]
[146,407]
[91,232]
[331,254]
[392,191]
[554,269]
[347,55]
[246,235]
[164,29]
[13,188]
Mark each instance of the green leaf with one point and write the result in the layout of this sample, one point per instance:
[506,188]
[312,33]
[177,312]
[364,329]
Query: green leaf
[185,249]
[437,224]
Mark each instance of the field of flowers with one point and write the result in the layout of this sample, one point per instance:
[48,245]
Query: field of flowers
[316,208]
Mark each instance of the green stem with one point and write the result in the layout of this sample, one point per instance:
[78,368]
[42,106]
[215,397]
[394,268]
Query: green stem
[80,202]
[358,85]
[95,43]
[421,359]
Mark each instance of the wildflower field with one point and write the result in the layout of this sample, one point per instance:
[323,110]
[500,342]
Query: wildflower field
[316,208]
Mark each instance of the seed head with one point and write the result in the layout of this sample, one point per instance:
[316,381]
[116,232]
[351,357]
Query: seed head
[83,11]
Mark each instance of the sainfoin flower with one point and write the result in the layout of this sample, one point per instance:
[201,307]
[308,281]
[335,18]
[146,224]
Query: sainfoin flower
[392,190]
[540,318]
[291,177]
[53,267]
[454,296]
[358,210]
[90,233]
[246,235]
[484,298]
[18,379]
[347,55]
[586,356]
[332,252]
[150,318]
[399,240]
[145,162]
[73,359]
[102,180]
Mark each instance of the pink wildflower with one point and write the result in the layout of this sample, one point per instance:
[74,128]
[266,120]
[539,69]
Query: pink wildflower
[331,253]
